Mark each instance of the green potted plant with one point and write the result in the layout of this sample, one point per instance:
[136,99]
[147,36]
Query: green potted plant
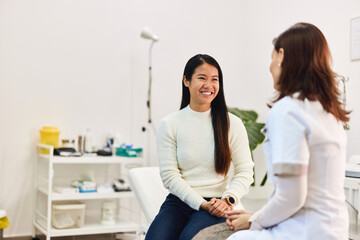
[253,129]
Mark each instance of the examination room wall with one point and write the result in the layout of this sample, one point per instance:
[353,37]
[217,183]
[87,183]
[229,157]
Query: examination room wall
[82,64]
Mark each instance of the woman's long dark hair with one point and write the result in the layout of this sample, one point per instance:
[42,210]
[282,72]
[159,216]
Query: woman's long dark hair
[219,113]
[306,68]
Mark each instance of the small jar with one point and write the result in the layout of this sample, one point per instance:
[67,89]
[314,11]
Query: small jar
[68,143]
[108,213]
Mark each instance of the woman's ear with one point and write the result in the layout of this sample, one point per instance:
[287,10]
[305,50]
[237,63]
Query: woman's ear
[281,55]
[186,82]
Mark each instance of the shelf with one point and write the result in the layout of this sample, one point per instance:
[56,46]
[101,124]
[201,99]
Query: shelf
[86,196]
[91,227]
[45,185]
[92,160]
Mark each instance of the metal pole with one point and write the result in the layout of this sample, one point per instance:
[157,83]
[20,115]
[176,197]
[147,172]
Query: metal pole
[148,103]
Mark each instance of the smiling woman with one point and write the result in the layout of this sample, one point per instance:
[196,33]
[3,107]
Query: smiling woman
[196,146]
[203,87]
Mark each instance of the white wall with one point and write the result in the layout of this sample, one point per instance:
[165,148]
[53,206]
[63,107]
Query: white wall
[81,64]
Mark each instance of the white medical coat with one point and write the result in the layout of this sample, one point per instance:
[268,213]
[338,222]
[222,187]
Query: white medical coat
[301,138]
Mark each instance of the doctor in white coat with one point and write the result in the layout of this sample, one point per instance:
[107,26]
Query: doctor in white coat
[305,147]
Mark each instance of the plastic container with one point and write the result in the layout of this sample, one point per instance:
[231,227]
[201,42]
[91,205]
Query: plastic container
[68,215]
[88,142]
[68,143]
[4,221]
[108,213]
[129,152]
[49,136]
[81,144]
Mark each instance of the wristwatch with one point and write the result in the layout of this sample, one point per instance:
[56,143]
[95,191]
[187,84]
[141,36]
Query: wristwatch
[230,200]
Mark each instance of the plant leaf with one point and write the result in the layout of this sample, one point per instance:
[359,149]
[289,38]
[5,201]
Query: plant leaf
[245,115]
[253,128]
[264,180]
[255,136]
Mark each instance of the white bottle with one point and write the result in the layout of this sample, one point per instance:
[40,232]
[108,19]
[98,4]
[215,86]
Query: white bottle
[108,213]
[88,142]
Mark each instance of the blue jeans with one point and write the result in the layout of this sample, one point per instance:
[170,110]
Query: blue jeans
[176,220]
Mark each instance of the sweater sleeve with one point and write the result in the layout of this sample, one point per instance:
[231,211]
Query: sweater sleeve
[241,158]
[169,169]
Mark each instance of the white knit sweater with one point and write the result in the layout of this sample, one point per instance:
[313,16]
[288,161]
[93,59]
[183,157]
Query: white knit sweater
[186,153]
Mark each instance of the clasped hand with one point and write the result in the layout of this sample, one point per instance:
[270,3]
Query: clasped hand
[216,207]
[238,219]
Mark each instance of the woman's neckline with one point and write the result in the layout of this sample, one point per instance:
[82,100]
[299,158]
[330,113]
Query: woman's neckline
[204,113]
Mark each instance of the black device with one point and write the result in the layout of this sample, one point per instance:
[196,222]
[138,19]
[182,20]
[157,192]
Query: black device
[104,152]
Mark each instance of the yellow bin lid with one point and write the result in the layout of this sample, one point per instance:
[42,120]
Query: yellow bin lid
[49,130]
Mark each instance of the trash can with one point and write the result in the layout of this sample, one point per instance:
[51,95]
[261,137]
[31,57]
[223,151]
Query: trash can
[49,136]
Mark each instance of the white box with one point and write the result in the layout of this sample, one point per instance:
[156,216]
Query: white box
[70,214]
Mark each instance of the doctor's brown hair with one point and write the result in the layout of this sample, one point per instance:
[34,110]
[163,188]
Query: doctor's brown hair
[306,68]
[219,113]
